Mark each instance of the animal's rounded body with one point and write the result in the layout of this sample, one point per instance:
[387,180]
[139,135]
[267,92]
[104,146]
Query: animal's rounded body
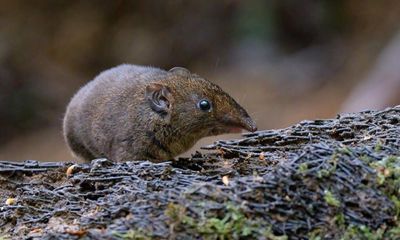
[143,113]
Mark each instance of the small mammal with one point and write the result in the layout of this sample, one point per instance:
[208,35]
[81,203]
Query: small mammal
[134,112]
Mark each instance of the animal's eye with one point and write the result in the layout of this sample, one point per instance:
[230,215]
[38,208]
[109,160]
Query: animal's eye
[204,105]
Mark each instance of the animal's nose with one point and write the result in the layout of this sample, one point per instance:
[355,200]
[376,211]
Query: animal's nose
[248,124]
[244,122]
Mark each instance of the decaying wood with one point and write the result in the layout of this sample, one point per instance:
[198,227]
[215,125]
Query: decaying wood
[293,181]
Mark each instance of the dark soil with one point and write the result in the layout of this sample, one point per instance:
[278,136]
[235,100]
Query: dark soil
[327,178]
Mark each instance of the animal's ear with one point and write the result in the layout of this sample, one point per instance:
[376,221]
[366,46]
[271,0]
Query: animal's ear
[159,98]
[180,71]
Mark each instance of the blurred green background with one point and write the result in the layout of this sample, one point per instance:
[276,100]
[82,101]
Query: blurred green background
[283,60]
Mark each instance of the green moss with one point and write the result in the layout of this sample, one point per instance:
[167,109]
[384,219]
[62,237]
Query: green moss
[233,225]
[334,161]
[394,232]
[330,199]
[132,235]
[378,146]
[345,150]
[354,232]
[396,201]
[303,167]
[268,234]
[388,174]
[366,159]
[388,180]
[323,173]
[315,234]
[340,220]
[333,164]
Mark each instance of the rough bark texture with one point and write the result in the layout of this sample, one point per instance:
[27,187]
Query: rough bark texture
[330,178]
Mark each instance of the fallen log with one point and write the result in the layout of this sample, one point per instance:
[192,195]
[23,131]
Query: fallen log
[329,178]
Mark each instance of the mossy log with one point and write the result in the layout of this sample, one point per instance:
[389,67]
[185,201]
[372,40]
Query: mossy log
[332,178]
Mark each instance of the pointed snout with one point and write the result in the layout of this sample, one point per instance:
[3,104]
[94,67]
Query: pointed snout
[234,117]
[238,122]
[248,124]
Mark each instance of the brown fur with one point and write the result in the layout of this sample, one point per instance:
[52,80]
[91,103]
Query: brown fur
[112,115]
